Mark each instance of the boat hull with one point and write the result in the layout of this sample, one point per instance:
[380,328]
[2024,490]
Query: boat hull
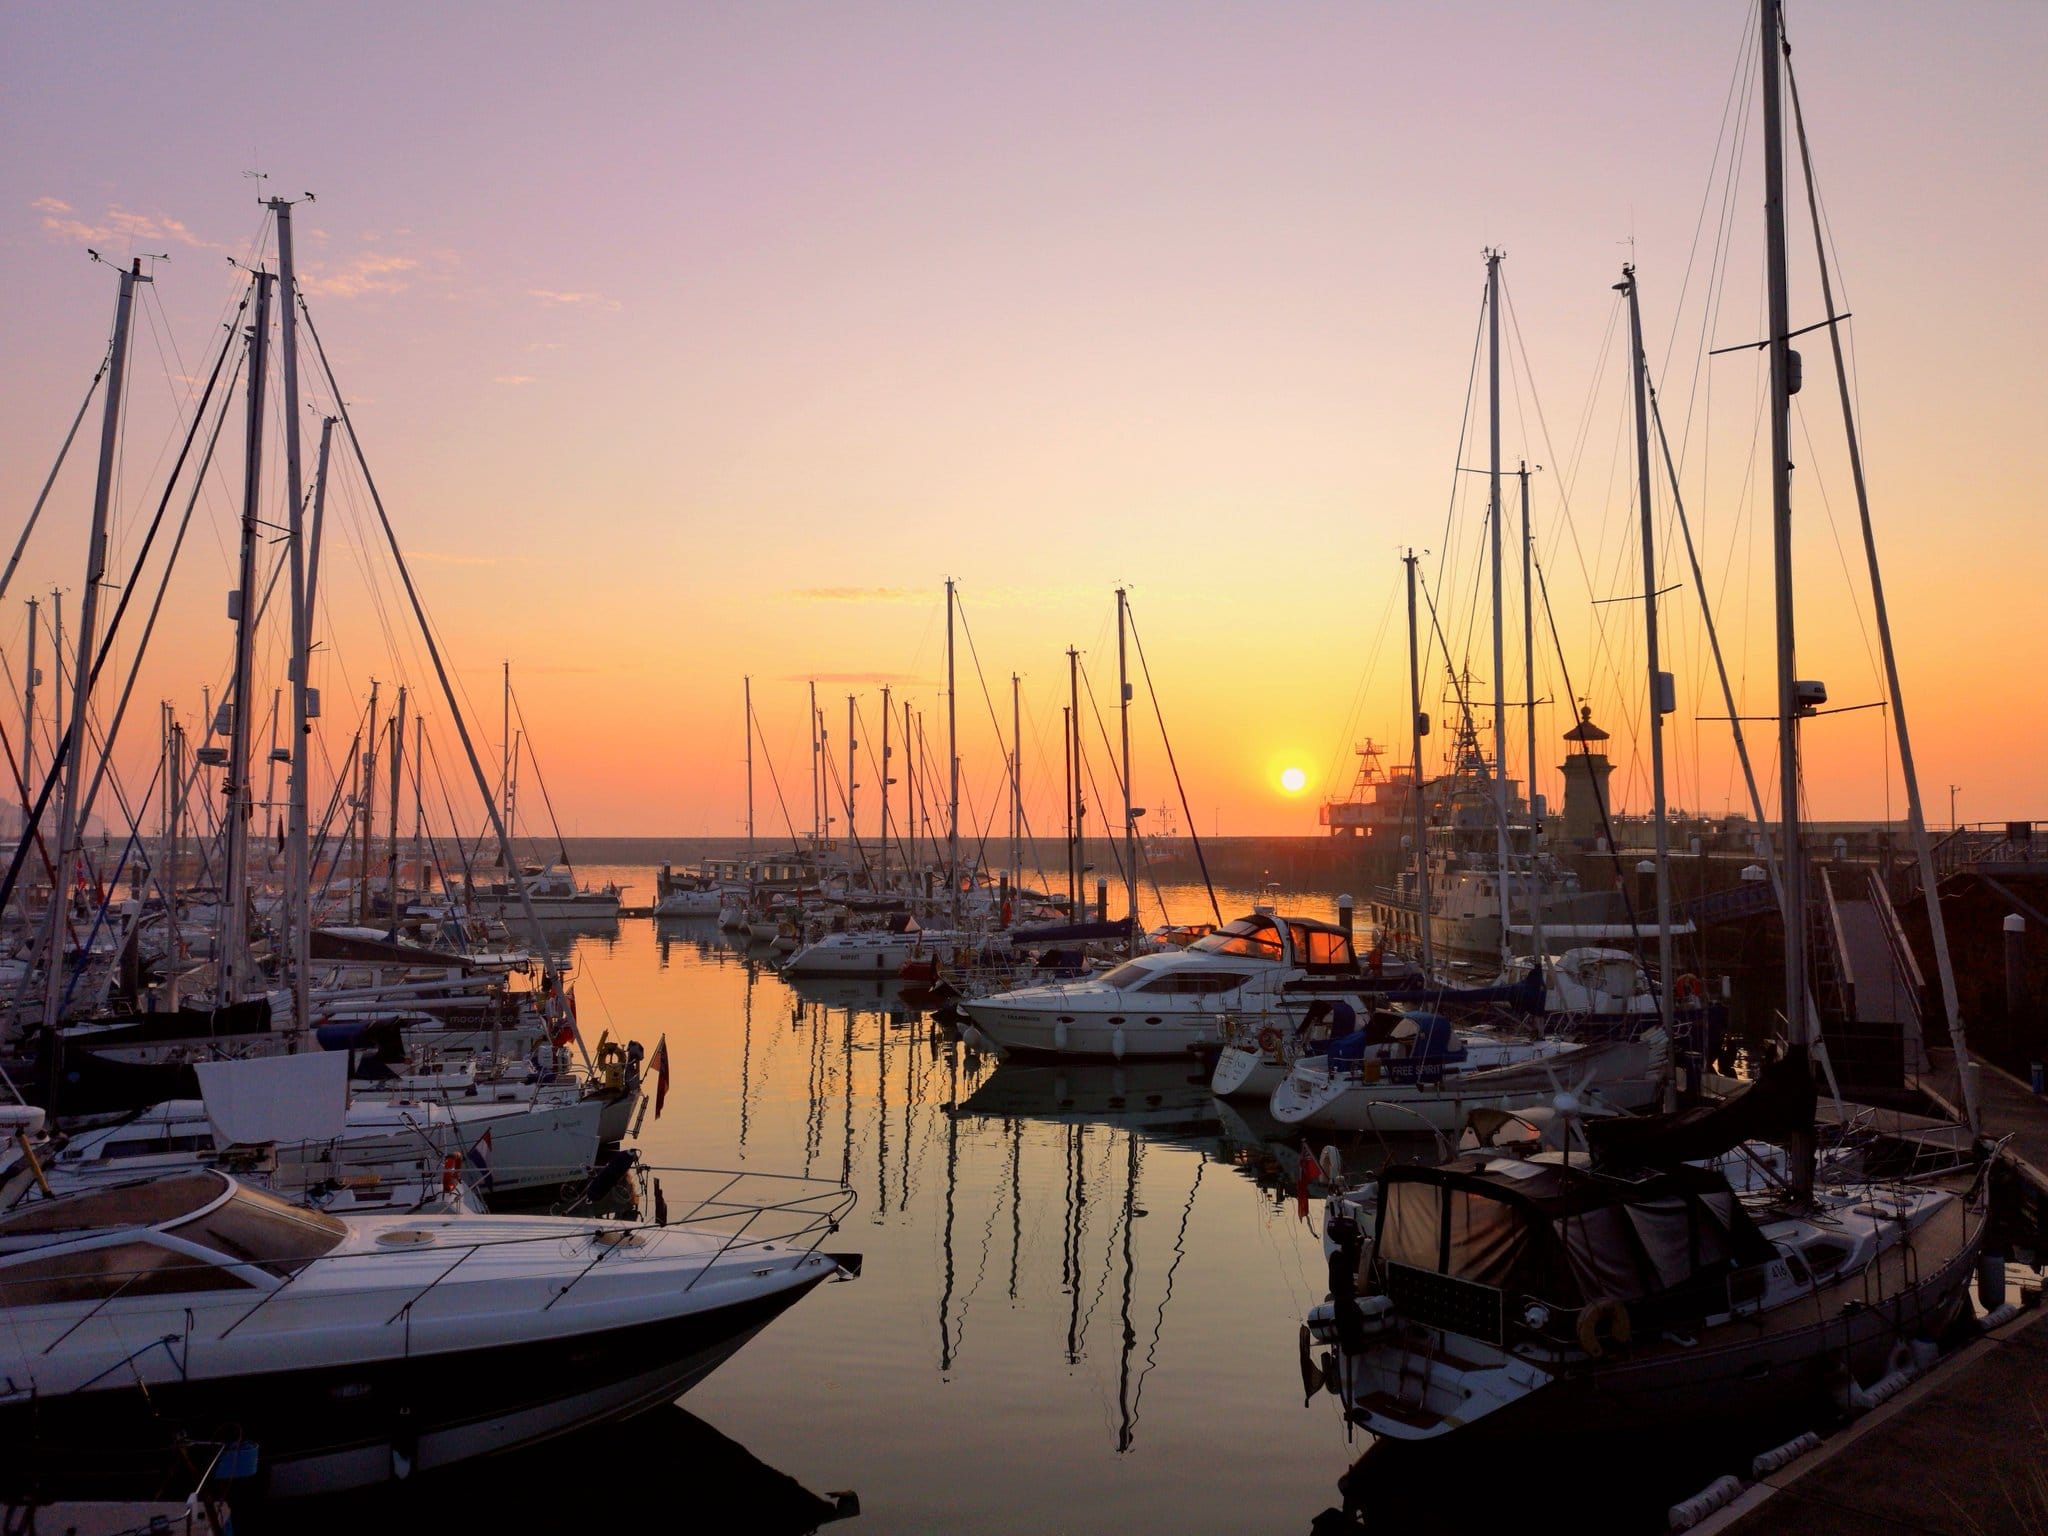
[330,1429]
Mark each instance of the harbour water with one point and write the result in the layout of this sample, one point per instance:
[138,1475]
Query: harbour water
[1082,1286]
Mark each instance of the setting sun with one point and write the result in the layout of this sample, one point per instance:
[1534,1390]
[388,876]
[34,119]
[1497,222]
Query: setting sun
[1293,780]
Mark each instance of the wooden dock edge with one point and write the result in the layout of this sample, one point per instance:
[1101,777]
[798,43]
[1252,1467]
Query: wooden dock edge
[1735,1514]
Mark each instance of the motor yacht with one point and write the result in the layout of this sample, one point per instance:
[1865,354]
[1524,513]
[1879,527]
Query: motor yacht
[355,1353]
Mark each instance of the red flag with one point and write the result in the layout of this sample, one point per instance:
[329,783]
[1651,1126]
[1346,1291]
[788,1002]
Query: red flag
[1311,1170]
[565,1029]
[660,1067]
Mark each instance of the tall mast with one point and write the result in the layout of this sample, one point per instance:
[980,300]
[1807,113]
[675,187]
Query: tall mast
[397,786]
[28,709]
[419,801]
[882,875]
[57,658]
[298,894]
[1798,1024]
[1123,709]
[852,835]
[1500,677]
[952,768]
[367,810]
[505,783]
[1781,531]
[747,697]
[1661,689]
[68,832]
[817,777]
[1016,781]
[1078,863]
[1534,887]
[1067,789]
[238,978]
[1916,819]
[1419,727]
[910,741]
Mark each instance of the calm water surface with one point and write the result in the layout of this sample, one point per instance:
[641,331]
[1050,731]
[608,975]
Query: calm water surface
[1081,1294]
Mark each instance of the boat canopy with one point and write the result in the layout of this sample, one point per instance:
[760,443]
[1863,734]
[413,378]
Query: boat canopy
[1315,947]
[1563,1235]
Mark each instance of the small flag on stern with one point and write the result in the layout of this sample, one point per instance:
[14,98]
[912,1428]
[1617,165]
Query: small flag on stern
[479,1160]
[660,1076]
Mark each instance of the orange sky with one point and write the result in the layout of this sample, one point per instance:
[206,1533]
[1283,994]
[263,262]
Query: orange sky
[693,345]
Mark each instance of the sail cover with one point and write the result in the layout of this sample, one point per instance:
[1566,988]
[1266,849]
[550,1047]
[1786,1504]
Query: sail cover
[1778,1103]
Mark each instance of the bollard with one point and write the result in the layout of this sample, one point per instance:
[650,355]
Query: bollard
[1102,901]
[2015,967]
[1346,919]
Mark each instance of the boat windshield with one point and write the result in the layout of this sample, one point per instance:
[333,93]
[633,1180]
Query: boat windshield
[1129,974]
[144,1204]
[1256,938]
[258,1228]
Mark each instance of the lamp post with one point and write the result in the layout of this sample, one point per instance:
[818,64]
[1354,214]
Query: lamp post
[1953,824]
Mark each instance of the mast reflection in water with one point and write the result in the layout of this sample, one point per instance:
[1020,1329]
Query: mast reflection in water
[1011,1216]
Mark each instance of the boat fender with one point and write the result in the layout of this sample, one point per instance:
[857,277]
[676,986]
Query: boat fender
[1333,1164]
[1718,1494]
[1370,1071]
[1998,1317]
[1689,988]
[1781,1456]
[1116,1043]
[451,1173]
[1602,1316]
[1059,1034]
[1269,1041]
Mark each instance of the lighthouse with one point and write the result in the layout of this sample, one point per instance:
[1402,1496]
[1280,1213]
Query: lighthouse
[1585,770]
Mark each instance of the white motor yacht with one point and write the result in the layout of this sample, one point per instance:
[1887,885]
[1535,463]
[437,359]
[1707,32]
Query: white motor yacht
[355,1353]
[1263,970]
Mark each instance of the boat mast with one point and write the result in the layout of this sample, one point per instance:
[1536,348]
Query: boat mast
[910,743]
[1419,727]
[1916,818]
[298,891]
[952,769]
[1076,865]
[28,709]
[817,775]
[747,699]
[1123,709]
[1067,793]
[852,832]
[397,788]
[1798,1024]
[68,832]
[1661,688]
[237,979]
[1535,886]
[319,514]
[1500,693]
[882,875]
[419,802]
[366,811]
[1016,783]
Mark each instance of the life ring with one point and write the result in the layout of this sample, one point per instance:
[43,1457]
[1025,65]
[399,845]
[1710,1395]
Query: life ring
[1689,988]
[1269,1040]
[1605,1316]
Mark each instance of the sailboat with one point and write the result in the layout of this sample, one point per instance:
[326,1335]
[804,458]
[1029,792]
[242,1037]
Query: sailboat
[1512,1290]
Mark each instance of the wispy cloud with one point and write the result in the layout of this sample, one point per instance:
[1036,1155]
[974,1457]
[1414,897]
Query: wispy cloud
[118,224]
[364,273]
[512,378]
[560,298]
[861,594]
[543,346]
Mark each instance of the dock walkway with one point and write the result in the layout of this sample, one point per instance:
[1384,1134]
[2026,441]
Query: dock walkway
[2008,1108]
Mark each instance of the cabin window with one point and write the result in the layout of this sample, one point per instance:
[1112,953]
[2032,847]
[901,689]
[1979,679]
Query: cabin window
[113,1269]
[1254,937]
[1130,974]
[1324,948]
[1825,1256]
